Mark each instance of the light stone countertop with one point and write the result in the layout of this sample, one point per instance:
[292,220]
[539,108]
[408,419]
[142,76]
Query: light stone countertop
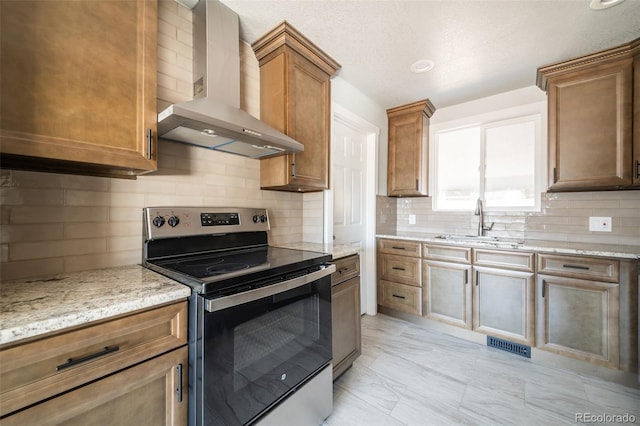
[541,246]
[337,251]
[33,307]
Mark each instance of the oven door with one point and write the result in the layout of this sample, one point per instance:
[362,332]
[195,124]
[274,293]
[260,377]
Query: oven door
[262,345]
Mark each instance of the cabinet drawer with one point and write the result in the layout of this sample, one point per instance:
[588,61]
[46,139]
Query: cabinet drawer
[504,259]
[447,253]
[36,370]
[346,268]
[405,270]
[600,269]
[399,247]
[401,297]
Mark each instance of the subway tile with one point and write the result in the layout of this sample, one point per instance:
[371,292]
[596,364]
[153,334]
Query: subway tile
[175,19]
[126,214]
[166,28]
[90,198]
[594,204]
[31,269]
[31,232]
[124,243]
[104,229]
[171,200]
[45,249]
[29,196]
[4,253]
[101,260]
[37,214]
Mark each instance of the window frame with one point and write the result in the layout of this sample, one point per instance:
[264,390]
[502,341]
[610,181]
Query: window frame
[535,112]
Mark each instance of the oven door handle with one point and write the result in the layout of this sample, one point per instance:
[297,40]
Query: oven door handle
[213,305]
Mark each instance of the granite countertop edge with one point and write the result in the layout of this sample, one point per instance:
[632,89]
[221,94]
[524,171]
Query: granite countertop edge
[35,307]
[540,246]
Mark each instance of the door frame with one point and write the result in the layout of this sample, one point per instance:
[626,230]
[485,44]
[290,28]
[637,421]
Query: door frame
[368,251]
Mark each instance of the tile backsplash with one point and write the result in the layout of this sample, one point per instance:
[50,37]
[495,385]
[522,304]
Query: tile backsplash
[563,217]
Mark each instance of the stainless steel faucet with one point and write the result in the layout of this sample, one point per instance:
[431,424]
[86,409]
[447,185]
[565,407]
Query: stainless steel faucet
[480,212]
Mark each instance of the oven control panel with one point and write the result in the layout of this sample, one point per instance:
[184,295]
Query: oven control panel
[170,222]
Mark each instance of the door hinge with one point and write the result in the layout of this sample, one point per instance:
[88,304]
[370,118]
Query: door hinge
[293,169]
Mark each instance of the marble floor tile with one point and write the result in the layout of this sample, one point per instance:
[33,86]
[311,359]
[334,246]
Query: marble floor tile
[410,376]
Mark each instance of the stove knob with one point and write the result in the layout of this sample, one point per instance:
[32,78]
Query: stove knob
[173,221]
[256,219]
[158,221]
[263,218]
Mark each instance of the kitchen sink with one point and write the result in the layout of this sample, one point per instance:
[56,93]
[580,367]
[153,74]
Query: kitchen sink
[479,238]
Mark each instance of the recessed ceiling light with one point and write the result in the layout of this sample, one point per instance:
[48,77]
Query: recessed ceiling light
[603,4]
[423,65]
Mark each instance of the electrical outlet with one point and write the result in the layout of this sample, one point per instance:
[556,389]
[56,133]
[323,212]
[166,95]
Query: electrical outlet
[599,224]
[412,219]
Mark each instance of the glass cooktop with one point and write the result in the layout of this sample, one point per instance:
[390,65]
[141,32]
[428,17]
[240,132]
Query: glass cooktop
[220,270]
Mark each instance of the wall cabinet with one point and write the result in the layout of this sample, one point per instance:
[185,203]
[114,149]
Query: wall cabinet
[78,86]
[400,275]
[408,157]
[345,313]
[447,284]
[591,113]
[130,370]
[295,98]
[578,306]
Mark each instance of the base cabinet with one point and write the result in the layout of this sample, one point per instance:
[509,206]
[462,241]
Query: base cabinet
[578,318]
[128,370]
[151,393]
[503,304]
[345,314]
[448,292]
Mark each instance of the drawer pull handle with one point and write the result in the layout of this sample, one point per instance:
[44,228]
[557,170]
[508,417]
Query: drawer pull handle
[75,361]
[398,248]
[343,270]
[398,296]
[466,276]
[397,268]
[584,268]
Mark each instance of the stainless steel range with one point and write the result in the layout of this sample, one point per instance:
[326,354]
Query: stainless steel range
[259,316]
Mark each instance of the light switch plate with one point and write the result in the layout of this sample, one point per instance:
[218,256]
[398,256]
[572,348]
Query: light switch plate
[412,219]
[599,224]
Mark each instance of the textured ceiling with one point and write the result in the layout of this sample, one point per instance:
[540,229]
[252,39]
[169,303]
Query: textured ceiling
[480,48]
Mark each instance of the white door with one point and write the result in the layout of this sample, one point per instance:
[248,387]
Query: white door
[351,203]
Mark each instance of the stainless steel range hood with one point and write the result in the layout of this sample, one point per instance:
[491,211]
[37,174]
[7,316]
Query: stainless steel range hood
[214,119]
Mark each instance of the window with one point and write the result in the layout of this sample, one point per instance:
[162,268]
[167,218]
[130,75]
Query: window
[494,161]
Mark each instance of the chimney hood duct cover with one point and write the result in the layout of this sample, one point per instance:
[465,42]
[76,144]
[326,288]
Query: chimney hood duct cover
[214,119]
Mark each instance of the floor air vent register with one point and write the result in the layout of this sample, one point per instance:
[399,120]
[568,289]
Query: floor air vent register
[508,346]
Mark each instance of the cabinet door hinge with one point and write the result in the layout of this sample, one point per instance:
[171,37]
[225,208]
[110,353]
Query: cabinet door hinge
[149,143]
[293,169]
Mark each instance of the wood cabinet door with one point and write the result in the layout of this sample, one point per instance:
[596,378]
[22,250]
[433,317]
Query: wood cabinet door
[151,393]
[345,315]
[447,292]
[503,304]
[578,319]
[309,118]
[78,85]
[590,128]
[407,156]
